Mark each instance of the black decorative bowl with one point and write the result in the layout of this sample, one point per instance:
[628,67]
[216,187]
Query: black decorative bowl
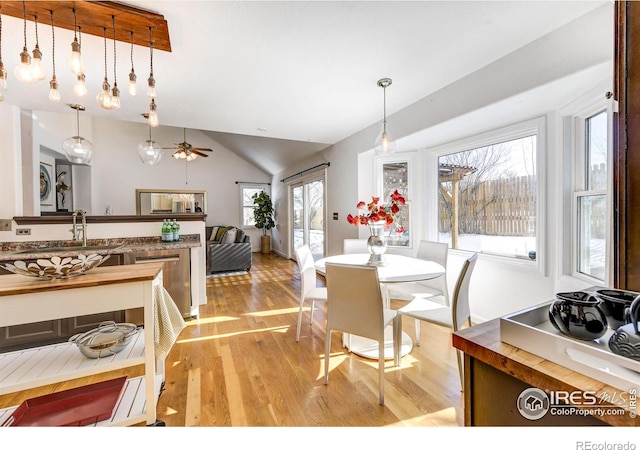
[578,315]
[615,305]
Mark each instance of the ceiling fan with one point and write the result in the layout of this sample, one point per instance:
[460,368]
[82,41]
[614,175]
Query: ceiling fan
[186,151]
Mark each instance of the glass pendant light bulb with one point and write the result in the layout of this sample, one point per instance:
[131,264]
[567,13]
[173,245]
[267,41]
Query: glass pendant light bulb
[37,69]
[133,87]
[115,97]
[23,70]
[75,61]
[78,150]
[151,91]
[80,88]
[54,93]
[150,152]
[104,97]
[154,121]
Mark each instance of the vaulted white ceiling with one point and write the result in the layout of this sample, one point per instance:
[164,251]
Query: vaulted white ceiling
[276,81]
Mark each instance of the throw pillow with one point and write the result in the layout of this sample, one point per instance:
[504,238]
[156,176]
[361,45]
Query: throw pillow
[239,235]
[219,233]
[229,237]
[212,235]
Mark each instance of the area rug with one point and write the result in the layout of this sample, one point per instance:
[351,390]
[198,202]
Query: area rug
[228,274]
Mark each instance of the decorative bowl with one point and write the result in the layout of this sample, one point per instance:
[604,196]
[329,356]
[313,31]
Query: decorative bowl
[56,267]
[106,340]
[578,315]
[615,305]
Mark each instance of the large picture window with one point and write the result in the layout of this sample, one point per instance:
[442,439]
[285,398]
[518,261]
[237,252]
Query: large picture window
[246,198]
[488,198]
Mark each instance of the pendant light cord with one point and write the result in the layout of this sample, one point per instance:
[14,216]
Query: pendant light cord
[75,25]
[78,120]
[53,44]
[150,51]
[132,51]
[35,19]
[115,78]
[24,15]
[0,37]
[105,52]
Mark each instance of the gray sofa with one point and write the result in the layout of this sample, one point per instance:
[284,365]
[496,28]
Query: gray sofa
[228,249]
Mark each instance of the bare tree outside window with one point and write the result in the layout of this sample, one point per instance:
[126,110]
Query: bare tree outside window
[488,198]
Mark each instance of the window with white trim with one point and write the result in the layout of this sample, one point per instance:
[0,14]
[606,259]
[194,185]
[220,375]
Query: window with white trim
[247,191]
[590,199]
[489,192]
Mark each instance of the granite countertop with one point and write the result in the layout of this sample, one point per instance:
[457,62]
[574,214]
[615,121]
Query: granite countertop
[12,251]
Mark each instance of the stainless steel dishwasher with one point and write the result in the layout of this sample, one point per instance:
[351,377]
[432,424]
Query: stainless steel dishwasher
[176,276]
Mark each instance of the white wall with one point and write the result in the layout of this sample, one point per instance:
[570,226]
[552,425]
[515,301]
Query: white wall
[535,81]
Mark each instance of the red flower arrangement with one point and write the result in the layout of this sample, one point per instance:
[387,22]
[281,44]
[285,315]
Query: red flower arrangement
[378,212]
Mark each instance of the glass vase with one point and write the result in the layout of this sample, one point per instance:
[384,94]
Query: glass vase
[377,243]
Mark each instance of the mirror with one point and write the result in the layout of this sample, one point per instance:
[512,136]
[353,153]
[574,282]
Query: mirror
[167,201]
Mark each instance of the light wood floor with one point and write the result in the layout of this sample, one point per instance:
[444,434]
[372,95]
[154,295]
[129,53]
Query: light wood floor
[239,365]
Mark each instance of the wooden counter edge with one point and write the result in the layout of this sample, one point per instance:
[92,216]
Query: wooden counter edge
[20,284]
[483,343]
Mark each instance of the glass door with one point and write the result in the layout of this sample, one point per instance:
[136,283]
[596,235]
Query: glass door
[308,215]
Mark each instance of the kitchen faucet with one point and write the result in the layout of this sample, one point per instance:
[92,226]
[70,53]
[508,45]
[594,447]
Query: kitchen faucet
[82,228]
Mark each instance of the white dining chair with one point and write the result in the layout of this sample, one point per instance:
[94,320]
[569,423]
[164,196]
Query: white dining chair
[454,316]
[309,291]
[354,246]
[355,306]
[428,251]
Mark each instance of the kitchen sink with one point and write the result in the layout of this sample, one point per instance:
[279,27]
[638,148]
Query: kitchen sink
[77,248]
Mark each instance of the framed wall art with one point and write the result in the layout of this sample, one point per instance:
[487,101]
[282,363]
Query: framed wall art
[47,187]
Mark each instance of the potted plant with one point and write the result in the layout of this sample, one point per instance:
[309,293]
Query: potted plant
[263,217]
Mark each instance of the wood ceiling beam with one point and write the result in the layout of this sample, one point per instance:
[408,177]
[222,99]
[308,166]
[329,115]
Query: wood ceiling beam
[92,17]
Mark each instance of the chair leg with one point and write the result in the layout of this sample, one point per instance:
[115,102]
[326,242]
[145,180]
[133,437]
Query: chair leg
[299,320]
[397,339]
[313,305]
[327,350]
[417,332]
[381,370]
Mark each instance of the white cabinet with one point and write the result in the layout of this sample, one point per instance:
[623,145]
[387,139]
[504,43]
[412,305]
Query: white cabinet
[24,300]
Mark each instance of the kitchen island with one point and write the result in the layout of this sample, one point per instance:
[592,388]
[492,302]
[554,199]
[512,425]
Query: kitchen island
[496,373]
[25,300]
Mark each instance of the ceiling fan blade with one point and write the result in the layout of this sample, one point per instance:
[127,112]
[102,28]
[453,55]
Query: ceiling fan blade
[199,153]
[201,149]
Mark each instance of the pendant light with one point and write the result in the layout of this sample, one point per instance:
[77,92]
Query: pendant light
[54,93]
[115,92]
[154,121]
[149,151]
[3,72]
[384,145]
[78,149]
[23,70]
[151,91]
[104,97]
[37,69]
[133,88]
[80,88]
[75,62]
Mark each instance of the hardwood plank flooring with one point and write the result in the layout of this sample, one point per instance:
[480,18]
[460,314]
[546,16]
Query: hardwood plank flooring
[238,364]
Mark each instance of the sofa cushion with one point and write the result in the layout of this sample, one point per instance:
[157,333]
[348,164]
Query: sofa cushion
[239,235]
[218,232]
[229,237]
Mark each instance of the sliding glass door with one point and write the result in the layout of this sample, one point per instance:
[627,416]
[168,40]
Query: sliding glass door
[308,214]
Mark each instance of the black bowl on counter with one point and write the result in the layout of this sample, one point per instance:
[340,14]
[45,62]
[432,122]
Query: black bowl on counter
[615,305]
[578,315]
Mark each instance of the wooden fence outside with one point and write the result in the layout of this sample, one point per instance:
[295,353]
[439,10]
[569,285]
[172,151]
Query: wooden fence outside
[503,207]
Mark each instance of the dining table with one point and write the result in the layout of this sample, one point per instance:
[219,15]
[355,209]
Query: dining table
[393,269]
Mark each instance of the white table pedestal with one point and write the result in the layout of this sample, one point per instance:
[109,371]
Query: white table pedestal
[368,348]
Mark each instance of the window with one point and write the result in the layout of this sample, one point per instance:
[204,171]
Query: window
[395,177]
[590,198]
[246,197]
[488,195]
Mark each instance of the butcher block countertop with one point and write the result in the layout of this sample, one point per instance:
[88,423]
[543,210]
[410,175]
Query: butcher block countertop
[482,343]
[100,276]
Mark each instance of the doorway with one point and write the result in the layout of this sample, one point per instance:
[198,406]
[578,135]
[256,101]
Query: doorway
[308,214]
